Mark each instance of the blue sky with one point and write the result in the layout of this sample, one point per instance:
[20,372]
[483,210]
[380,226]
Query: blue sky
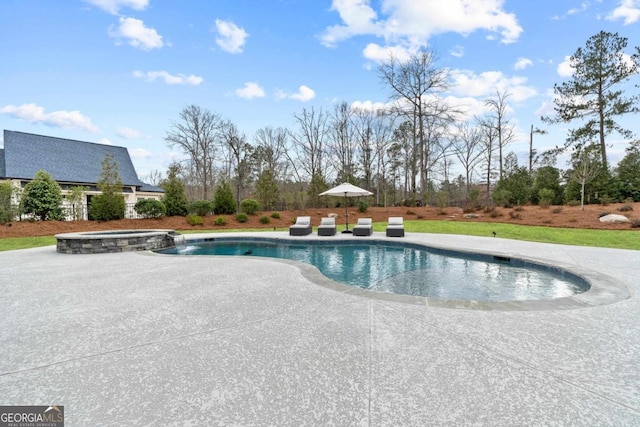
[120,71]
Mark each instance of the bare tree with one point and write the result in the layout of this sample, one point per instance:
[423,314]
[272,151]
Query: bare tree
[341,142]
[532,151]
[586,168]
[489,134]
[309,144]
[467,147]
[197,134]
[504,129]
[415,83]
[271,147]
[241,152]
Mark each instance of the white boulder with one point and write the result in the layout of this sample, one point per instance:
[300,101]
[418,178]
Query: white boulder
[614,219]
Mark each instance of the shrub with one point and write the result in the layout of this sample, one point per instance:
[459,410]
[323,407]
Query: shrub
[604,214]
[362,207]
[201,207]
[150,208]
[545,196]
[265,220]
[110,203]
[195,220]
[495,214]
[628,200]
[410,212]
[175,199]
[514,215]
[572,220]
[242,217]
[635,223]
[605,200]
[625,208]
[249,206]
[518,208]
[7,210]
[502,197]
[221,221]
[557,210]
[275,215]
[42,197]
[223,202]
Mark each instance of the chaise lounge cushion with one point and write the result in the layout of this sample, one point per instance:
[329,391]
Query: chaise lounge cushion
[364,227]
[302,227]
[395,227]
[327,227]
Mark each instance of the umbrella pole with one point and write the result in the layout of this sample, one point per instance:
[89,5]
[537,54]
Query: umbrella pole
[346,214]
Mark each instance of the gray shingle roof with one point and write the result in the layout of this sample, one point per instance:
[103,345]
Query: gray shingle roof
[1,162]
[66,160]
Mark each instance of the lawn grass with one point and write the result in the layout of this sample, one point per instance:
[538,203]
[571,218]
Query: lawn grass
[620,239]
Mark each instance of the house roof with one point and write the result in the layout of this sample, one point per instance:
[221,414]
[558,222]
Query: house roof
[2,163]
[66,160]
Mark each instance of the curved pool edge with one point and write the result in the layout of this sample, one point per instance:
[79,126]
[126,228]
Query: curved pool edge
[604,289]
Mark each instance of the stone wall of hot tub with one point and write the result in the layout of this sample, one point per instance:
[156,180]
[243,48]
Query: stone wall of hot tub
[115,241]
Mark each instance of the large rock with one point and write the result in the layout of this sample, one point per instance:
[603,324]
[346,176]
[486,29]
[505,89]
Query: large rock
[614,219]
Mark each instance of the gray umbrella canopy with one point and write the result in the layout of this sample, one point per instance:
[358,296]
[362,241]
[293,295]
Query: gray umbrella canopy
[346,190]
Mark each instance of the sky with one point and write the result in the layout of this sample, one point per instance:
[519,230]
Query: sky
[120,71]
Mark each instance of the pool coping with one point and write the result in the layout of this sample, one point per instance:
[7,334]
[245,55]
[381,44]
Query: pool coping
[604,289]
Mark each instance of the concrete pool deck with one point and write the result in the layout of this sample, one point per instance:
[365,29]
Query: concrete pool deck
[145,339]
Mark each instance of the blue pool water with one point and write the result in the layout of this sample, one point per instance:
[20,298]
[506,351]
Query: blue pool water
[407,269]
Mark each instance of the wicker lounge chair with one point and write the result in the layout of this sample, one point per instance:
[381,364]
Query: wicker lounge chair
[302,227]
[395,227]
[327,227]
[364,227]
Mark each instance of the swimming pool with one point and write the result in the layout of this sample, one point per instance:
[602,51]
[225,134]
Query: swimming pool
[408,269]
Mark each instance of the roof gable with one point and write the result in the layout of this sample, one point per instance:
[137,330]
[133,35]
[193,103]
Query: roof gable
[66,160]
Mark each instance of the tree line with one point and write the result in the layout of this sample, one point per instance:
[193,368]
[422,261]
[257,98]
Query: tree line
[405,151]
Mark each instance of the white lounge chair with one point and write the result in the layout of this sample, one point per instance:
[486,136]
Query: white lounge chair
[395,227]
[302,227]
[327,227]
[364,227]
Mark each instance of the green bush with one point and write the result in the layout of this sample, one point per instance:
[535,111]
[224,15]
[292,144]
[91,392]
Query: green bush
[502,198]
[275,215]
[249,206]
[107,206]
[362,207]
[242,217]
[265,220]
[7,210]
[195,220]
[545,197]
[221,221]
[110,203]
[201,207]
[150,208]
[223,202]
[175,199]
[42,197]
[573,203]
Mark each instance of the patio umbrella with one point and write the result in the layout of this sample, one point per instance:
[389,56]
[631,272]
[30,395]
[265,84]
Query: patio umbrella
[346,190]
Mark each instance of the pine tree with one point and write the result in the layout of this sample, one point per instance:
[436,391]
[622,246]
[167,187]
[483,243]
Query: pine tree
[267,190]
[175,198]
[110,203]
[593,93]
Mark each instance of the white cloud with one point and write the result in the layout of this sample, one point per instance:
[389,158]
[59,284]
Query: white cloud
[113,6]
[129,133]
[63,119]
[304,94]
[250,90]
[629,11]
[583,7]
[522,63]
[377,53]
[369,106]
[170,79]
[457,51]
[140,153]
[469,84]
[231,38]
[139,36]
[565,69]
[415,22]
[105,141]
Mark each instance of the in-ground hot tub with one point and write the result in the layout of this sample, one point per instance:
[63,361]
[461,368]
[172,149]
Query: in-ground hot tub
[100,242]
